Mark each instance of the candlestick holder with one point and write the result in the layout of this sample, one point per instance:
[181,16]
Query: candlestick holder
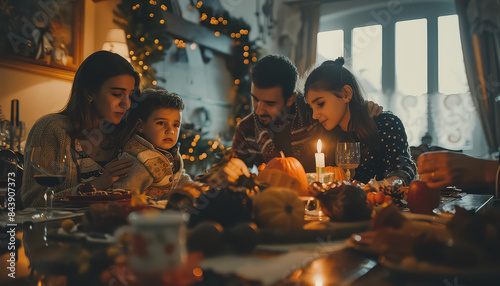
[320,173]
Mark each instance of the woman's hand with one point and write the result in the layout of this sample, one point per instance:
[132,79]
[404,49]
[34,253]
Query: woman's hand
[443,169]
[113,171]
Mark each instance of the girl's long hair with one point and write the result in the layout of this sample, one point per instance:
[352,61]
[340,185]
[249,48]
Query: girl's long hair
[90,76]
[332,76]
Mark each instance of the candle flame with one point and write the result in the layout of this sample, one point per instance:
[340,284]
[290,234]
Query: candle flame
[319,145]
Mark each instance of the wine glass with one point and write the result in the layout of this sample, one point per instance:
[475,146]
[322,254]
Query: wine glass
[48,172]
[348,156]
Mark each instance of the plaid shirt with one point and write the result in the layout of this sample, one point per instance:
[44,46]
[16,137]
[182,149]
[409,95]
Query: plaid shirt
[253,142]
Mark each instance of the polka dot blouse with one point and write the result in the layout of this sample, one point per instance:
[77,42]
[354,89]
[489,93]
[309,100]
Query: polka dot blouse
[393,155]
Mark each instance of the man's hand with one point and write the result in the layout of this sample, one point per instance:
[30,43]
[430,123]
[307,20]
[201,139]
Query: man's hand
[234,169]
[373,108]
[443,169]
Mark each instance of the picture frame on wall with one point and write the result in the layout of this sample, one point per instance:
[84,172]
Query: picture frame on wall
[43,37]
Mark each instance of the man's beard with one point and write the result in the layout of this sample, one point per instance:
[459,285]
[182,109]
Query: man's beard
[280,121]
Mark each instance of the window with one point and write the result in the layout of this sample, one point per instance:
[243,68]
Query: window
[367,57]
[330,45]
[452,77]
[411,57]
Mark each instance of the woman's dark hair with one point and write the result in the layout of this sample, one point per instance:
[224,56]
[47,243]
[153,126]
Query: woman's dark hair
[332,76]
[153,99]
[90,76]
[275,70]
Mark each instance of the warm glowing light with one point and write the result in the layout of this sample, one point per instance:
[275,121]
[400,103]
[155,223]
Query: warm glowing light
[220,19]
[154,82]
[160,48]
[176,41]
[199,4]
[140,63]
[151,15]
[209,142]
[217,34]
[233,35]
[224,22]
[191,159]
[245,54]
[246,107]
[131,53]
[142,39]
[128,36]
[134,58]
[146,53]
[193,144]
[193,46]
[162,21]
[164,7]
[236,81]
[246,62]
[246,48]
[190,150]
[254,59]
[157,41]
[145,67]
[319,145]
[238,35]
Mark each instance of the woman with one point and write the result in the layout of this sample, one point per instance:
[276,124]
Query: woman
[90,130]
[337,103]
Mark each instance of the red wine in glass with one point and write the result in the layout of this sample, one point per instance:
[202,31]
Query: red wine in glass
[49,181]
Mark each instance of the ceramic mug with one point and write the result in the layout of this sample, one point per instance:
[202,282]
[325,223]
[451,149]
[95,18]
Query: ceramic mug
[158,240]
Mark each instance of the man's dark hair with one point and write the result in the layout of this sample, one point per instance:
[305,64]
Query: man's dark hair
[153,99]
[275,70]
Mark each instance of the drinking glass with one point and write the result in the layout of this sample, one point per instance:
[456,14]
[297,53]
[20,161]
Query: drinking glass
[348,156]
[48,172]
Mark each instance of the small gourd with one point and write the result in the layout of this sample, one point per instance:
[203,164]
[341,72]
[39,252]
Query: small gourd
[278,208]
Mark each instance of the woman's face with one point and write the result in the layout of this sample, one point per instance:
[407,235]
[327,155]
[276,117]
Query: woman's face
[329,109]
[113,98]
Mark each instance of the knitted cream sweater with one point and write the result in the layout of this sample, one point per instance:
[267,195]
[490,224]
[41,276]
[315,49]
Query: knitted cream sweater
[51,133]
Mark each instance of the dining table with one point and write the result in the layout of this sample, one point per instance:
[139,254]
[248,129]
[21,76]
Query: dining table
[45,258]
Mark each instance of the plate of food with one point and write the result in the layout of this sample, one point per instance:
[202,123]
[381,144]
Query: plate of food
[465,245]
[110,195]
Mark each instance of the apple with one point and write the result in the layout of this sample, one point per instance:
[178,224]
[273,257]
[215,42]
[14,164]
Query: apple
[422,199]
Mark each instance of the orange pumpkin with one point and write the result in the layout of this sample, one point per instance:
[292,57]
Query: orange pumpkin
[339,173]
[278,208]
[292,167]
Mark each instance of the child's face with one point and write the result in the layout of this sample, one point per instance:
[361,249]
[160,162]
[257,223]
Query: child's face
[162,127]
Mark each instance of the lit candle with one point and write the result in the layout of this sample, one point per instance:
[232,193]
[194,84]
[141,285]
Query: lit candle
[320,161]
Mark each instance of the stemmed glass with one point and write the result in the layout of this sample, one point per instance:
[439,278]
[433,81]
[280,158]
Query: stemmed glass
[348,156]
[48,172]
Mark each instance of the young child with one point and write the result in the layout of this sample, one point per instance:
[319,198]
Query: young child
[158,167]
